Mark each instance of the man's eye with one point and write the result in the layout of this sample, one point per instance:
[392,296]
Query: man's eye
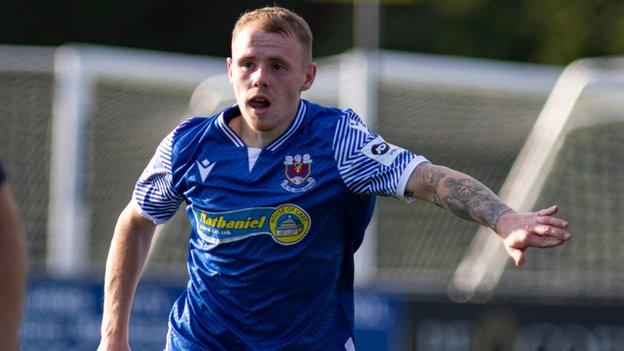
[247,64]
[277,66]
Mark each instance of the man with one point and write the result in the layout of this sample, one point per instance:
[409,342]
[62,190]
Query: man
[12,269]
[279,191]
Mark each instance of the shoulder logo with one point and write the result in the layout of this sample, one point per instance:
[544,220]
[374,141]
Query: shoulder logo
[356,124]
[380,148]
[205,167]
[297,171]
[381,151]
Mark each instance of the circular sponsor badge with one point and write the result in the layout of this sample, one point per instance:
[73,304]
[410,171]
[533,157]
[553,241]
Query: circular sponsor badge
[289,224]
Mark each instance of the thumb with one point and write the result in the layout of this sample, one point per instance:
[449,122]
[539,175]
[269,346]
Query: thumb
[517,255]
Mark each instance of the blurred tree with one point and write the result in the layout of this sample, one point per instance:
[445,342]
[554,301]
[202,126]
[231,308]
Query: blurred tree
[192,26]
[553,31]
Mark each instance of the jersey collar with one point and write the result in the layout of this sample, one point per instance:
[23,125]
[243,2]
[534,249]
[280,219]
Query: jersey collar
[233,111]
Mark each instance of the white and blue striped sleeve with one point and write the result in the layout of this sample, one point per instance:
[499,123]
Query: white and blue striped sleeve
[154,194]
[367,163]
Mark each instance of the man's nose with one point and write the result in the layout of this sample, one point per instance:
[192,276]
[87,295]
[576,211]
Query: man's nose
[259,78]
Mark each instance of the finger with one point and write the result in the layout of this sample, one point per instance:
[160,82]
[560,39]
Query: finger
[521,240]
[553,221]
[549,241]
[539,241]
[517,255]
[515,246]
[548,211]
[549,231]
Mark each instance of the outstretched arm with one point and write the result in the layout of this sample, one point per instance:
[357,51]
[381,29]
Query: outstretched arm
[126,258]
[471,200]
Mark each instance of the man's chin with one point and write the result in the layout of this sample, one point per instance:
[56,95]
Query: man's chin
[259,123]
[263,126]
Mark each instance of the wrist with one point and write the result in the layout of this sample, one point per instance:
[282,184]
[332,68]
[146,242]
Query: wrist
[107,344]
[114,335]
[504,219]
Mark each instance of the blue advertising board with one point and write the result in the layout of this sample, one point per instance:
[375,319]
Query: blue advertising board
[66,315]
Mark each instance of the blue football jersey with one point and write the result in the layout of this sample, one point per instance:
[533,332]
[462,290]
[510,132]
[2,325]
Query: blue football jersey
[270,256]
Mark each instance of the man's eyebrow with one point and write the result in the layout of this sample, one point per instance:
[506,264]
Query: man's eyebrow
[278,58]
[245,57]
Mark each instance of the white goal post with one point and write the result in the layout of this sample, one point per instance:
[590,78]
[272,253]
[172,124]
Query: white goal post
[483,265]
[77,69]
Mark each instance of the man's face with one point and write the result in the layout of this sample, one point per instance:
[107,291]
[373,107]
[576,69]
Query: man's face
[268,72]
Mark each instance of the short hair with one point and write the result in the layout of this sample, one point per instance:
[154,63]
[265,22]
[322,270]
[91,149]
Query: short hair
[275,19]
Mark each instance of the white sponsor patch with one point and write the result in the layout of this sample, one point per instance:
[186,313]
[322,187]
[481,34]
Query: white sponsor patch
[381,151]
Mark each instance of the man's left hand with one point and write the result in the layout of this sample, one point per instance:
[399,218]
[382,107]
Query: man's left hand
[531,229]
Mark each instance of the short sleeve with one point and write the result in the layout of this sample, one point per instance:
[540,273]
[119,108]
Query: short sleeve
[367,163]
[154,194]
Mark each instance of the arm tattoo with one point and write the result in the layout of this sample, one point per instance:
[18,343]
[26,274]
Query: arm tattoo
[430,176]
[436,176]
[466,198]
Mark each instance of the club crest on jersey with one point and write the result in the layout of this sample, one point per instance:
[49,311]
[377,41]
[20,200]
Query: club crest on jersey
[297,171]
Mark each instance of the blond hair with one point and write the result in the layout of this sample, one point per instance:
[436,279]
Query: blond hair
[274,19]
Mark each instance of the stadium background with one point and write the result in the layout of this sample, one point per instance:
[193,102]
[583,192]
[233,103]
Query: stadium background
[93,115]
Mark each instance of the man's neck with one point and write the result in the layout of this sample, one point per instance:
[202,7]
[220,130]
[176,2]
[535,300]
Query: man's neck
[256,138]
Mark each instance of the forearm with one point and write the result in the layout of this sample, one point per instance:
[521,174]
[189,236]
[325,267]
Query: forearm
[129,248]
[469,199]
[459,193]
[12,272]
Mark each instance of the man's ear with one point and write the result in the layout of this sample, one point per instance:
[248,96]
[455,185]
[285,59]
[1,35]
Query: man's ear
[309,76]
[228,63]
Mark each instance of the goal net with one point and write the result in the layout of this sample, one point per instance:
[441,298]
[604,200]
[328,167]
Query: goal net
[80,123]
[112,109]
[26,81]
[574,158]
[470,115]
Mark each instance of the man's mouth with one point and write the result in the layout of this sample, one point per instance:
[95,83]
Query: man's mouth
[259,102]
